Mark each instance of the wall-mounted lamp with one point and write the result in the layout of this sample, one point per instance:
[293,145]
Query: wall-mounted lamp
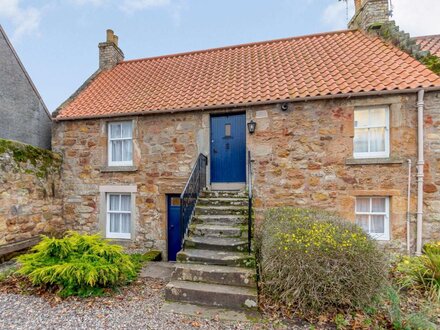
[251,126]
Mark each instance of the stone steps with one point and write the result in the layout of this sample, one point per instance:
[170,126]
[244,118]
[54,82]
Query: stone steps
[211,271]
[224,231]
[236,276]
[223,194]
[220,210]
[211,294]
[213,257]
[224,201]
[217,243]
[231,220]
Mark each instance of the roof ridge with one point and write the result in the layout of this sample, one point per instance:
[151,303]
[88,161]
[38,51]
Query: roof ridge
[427,36]
[209,50]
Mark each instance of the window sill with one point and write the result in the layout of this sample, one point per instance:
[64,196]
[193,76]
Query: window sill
[373,161]
[106,169]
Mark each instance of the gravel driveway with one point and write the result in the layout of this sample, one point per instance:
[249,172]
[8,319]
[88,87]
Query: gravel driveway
[135,307]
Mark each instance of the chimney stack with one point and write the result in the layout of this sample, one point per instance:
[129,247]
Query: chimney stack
[369,14]
[109,52]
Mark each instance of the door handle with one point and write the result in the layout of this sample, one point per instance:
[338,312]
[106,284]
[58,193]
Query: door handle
[215,150]
[172,226]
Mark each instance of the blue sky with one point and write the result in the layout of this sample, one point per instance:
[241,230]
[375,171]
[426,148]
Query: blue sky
[57,39]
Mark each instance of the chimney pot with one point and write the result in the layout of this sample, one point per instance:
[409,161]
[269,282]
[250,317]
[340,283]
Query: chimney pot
[115,39]
[110,35]
[357,5]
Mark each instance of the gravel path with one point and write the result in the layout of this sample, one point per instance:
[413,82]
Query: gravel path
[135,307]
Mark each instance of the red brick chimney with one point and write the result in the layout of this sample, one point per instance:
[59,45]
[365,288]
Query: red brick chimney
[109,52]
[369,13]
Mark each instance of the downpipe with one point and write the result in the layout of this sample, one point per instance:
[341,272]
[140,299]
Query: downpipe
[408,209]
[420,174]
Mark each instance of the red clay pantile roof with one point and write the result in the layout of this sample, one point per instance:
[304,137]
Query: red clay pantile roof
[286,69]
[431,43]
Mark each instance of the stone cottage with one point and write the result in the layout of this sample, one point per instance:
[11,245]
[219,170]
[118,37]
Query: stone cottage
[24,116]
[342,121]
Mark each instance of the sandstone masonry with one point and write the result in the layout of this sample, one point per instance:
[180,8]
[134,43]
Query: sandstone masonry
[30,200]
[303,157]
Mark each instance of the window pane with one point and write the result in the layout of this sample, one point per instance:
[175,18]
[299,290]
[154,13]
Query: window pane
[115,223]
[377,224]
[127,150]
[117,151]
[125,202]
[361,140]
[126,130]
[125,223]
[227,129]
[362,221]
[115,131]
[114,203]
[378,204]
[378,117]
[362,205]
[175,201]
[377,139]
[361,118]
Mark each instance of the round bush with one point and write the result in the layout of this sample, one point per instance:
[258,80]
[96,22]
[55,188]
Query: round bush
[313,261]
[77,264]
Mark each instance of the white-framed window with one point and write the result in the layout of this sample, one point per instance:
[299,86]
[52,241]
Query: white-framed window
[371,132]
[120,143]
[119,219]
[373,216]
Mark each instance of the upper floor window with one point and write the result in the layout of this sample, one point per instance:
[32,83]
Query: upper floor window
[371,133]
[120,144]
[373,215]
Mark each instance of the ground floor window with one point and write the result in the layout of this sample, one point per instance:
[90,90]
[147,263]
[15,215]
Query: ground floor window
[118,216]
[372,214]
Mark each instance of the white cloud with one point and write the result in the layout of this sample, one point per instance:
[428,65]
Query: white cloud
[416,17]
[419,17]
[136,5]
[25,20]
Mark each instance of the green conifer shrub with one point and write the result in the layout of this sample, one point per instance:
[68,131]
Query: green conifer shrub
[77,264]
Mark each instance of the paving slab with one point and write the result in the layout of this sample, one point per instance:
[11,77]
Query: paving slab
[158,269]
[206,312]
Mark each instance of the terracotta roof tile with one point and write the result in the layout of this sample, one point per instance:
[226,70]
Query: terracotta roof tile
[431,43]
[316,65]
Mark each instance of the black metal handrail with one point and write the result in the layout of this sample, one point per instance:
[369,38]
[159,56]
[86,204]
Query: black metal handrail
[195,184]
[249,186]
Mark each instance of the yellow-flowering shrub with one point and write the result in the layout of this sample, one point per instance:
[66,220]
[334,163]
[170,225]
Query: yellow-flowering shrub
[312,261]
[422,272]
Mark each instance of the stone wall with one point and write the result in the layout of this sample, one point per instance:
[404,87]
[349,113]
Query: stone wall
[23,115]
[303,157]
[165,147]
[30,201]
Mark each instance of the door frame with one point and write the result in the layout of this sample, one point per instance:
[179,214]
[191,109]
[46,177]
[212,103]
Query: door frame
[231,185]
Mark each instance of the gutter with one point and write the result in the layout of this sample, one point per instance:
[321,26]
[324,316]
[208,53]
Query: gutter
[248,104]
[420,174]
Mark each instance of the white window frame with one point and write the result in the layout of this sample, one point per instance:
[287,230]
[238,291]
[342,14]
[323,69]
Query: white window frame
[379,154]
[380,237]
[109,234]
[109,144]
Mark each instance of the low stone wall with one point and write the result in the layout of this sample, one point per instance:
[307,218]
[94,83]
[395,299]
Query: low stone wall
[30,203]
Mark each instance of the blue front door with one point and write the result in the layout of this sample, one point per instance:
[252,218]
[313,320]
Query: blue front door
[174,240]
[228,148]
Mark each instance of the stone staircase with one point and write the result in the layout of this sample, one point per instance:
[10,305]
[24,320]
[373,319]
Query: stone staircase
[211,270]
